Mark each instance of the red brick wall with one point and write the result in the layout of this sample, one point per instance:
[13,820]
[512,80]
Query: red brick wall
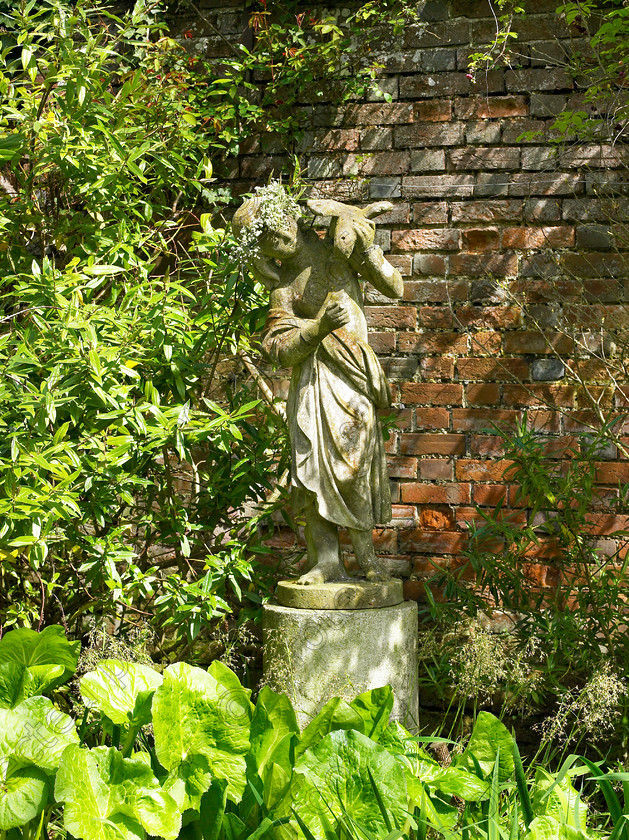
[494,234]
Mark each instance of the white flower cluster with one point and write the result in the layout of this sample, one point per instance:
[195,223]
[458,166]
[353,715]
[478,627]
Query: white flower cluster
[268,209]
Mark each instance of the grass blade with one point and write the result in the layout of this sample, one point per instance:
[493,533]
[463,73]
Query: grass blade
[523,788]
[379,800]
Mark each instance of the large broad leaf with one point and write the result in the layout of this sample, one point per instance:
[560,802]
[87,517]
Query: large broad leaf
[202,714]
[558,800]
[50,647]
[108,797]
[123,691]
[32,663]
[375,708]
[23,795]
[488,736]
[548,828]
[35,733]
[338,779]
[335,715]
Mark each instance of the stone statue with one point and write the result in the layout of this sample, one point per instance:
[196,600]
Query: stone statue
[316,326]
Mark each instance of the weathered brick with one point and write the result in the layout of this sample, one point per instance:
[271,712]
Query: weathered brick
[438,542]
[335,139]
[482,393]
[429,264]
[438,35]
[477,240]
[382,342]
[430,213]
[420,135]
[375,139]
[401,467]
[427,444]
[473,265]
[482,419]
[436,494]
[525,131]
[399,367]
[437,186]
[427,239]
[492,107]
[536,342]
[376,163]
[489,184]
[485,158]
[435,291]
[494,317]
[391,317]
[542,210]
[321,167]
[547,78]
[493,370]
[561,396]
[539,157]
[399,215]
[435,469]
[433,110]
[588,210]
[489,495]
[436,317]
[561,236]
[378,113]
[487,211]
[432,418]
[433,342]
[547,104]
[438,60]
[428,160]
[540,265]
[433,367]
[469,470]
[483,133]
[446,84]
[487,290]
[596,264]
[402,262]
[485,343]
[429,393]
[559,183]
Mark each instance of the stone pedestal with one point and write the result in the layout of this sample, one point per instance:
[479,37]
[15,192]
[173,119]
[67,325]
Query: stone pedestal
[314,654]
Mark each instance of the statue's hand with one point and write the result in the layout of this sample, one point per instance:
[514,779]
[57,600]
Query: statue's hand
[365,232]
[334,317]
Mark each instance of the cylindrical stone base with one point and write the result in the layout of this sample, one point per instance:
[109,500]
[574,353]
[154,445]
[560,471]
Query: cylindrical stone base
[313,655]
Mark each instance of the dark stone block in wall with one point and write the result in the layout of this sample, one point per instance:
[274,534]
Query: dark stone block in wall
[594,237]
[384,188]
[547,370]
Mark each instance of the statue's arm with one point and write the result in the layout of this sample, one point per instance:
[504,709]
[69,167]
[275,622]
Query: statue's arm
[288,340]
[373,266]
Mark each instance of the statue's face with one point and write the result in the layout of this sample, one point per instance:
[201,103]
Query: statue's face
[281,243]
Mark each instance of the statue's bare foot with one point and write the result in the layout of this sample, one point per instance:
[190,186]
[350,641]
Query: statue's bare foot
[323,572]
[373,571]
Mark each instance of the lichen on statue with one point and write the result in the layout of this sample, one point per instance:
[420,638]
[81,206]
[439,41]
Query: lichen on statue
[317,327]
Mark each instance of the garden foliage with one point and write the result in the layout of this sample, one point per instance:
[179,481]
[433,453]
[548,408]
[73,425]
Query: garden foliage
[131,440]
[185,753]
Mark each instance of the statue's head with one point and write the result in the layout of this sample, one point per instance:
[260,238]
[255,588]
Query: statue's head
[267,227]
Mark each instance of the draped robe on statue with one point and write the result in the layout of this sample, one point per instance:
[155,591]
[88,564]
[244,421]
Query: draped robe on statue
[337,446]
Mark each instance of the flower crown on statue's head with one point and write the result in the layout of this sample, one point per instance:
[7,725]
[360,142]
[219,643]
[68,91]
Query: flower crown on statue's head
[269,208]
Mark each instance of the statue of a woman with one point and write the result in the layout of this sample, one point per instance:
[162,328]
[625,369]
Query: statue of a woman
[316,326]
